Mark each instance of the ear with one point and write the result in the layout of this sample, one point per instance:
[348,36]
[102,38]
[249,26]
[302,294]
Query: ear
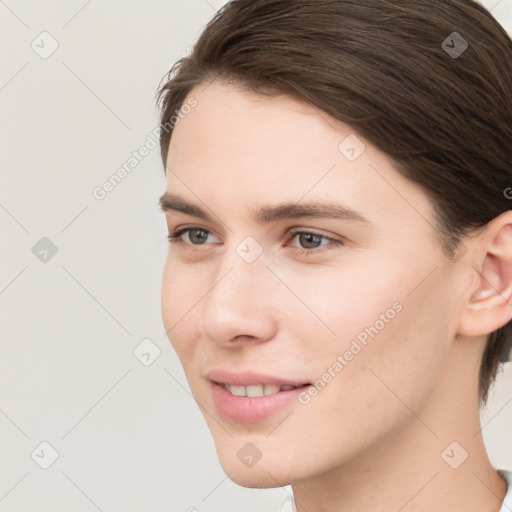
[489,305]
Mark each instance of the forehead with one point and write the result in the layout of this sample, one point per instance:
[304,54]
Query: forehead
[251,150]
[231,121]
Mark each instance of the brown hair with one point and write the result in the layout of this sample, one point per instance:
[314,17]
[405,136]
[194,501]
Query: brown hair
[398,75]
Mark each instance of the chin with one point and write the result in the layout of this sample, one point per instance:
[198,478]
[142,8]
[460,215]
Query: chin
[265,473]
[251,463]
[262,478]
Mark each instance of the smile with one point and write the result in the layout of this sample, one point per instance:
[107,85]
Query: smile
[258,389]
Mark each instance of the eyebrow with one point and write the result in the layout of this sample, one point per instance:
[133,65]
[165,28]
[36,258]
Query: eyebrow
[267,214]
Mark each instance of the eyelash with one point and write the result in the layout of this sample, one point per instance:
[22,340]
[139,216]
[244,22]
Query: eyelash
[175,238]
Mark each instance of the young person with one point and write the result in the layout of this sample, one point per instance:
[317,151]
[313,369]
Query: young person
[339,276]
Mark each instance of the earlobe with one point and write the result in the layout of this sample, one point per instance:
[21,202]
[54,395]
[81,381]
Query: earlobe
[489,305]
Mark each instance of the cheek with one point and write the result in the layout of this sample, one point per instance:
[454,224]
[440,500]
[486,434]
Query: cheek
[382,325]
[336,305]
[180,293]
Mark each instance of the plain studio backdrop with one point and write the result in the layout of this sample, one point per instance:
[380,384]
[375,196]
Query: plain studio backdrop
[95,411]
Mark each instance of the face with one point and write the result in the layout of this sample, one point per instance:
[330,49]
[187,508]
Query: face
[302,258]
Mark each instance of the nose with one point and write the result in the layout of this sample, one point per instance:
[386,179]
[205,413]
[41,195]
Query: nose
[240,305]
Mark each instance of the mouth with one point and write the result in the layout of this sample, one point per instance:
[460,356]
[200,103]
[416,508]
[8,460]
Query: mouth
[258,390]
[249,397]
[254,403]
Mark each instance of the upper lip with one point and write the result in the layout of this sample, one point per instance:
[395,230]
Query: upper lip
[250,379]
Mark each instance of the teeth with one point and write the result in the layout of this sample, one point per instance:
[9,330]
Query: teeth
[237,390]
[271,389]
[257,390]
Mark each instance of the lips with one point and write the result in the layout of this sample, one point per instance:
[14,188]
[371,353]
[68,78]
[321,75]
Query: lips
[248,379]
[250,397]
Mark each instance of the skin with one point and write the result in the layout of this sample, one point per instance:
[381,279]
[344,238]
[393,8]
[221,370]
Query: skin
[373,437]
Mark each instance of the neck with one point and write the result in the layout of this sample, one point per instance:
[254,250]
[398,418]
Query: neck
[437,461]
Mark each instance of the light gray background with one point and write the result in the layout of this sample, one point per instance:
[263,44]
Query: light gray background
[128,436]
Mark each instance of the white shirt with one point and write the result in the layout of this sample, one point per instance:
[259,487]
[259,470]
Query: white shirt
[506,506]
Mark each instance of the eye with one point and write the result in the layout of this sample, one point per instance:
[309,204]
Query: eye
[197,236]
[311,241]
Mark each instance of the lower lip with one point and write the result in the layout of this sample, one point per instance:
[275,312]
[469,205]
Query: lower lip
[244,409]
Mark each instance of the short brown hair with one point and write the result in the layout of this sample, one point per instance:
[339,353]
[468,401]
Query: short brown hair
[385,68]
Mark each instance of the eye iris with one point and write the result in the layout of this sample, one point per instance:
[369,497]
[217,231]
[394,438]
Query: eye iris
[307,238]
[197,239]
